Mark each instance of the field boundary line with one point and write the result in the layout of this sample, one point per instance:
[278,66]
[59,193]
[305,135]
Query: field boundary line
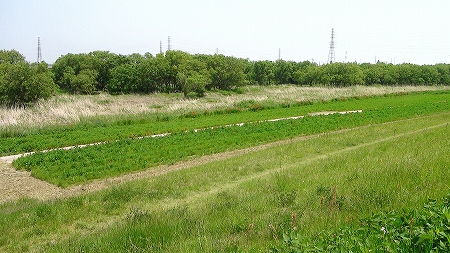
[11,158]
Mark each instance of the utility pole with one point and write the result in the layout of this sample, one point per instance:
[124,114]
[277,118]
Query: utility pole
[160,47]
[279,53]
[39,56]
[331,56]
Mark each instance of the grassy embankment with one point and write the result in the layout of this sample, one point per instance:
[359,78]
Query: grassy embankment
[67,167]
[247,203]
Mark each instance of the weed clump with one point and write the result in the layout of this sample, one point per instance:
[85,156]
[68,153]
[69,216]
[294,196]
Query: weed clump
[419,230]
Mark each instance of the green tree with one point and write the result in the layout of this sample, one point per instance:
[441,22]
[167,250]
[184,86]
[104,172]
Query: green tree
[342,74]
[409,74]
[444,73]
[103,62]
[22,83]
[150,75]
[263,72]
[307,74]
[284,71]
[177,61]
[192,77]
[389,74]
[11,56]
[66,67]
[125,79]
[84,82]
[430,75]
[226,72]
[99,62]
[372,73]
[39,86]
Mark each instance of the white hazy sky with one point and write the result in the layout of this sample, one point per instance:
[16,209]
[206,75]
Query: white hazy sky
[397,31]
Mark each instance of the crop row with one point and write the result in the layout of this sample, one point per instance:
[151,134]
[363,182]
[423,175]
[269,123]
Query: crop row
[66,167]
[103,129]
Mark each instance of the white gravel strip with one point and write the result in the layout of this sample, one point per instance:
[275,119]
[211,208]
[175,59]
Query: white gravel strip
[11,158]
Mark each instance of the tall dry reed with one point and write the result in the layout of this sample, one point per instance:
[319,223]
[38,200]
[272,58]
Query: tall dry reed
[67,109]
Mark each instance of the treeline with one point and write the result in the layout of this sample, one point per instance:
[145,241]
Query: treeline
[174,71]
[178,71]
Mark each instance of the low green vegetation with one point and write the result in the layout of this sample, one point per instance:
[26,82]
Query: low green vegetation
[423,229]
[280,199]
[375,181]
[98,129]
[67,167]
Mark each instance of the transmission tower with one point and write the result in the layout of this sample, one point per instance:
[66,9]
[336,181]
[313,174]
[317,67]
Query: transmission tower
[39,56]
[160,47]
[331,57]
[168,43]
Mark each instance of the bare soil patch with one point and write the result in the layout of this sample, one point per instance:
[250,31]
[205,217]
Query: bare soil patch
[19,184]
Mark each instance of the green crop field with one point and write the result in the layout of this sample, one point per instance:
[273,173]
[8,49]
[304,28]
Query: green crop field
[66,167]
[370,181]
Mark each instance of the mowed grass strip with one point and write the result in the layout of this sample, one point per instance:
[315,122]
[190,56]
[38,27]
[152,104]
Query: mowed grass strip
[99,129]
[247,203]
[67,167]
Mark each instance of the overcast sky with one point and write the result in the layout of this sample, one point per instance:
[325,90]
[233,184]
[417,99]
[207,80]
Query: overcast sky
[397,31]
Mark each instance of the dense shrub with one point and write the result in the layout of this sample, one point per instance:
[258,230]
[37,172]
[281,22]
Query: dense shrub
[22,82]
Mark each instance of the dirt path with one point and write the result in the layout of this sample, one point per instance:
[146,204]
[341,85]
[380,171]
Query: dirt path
[20,184]
[16,184]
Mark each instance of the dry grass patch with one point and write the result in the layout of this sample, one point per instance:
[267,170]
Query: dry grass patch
[67,109]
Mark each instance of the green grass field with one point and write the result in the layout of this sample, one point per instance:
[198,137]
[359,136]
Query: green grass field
[301,194]
[68,167]
[98,129]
